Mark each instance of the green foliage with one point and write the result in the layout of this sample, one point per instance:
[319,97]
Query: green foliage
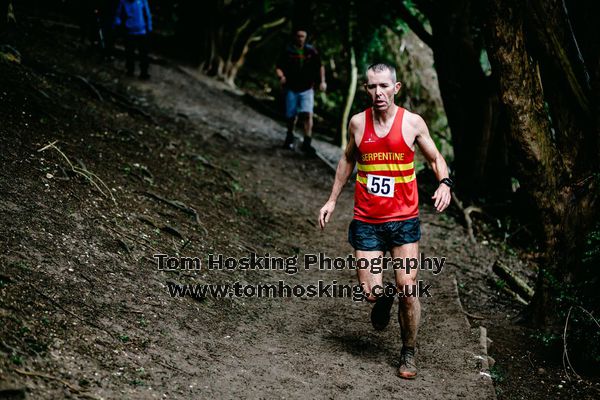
[485,63]
[376,34]
[24,330]
[410,4]
[243,211]
[236,186]
[20,264]
[497,373]
[35,345]
[419,166]
[592,252]
[330,101]
[378,49]
[16,359]
[548,340]
[585,335]
[500,283]
[579,301]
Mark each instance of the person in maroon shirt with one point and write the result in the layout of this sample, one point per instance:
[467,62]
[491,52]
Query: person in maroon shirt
[299,68]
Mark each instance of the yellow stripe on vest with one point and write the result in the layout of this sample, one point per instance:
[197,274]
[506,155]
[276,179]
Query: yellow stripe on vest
[398,179]
[385,167]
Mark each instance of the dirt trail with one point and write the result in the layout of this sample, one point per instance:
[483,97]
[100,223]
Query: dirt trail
[83,301]
[323,348]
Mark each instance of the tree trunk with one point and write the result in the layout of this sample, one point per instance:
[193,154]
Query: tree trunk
[480,156]
[228,30]
[244,38]
[557,174]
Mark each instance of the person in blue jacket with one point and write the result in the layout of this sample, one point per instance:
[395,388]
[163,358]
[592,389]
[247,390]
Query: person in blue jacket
[133,16]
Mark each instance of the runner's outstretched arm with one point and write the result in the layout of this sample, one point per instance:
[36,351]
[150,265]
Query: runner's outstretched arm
[442,196]
[342,173]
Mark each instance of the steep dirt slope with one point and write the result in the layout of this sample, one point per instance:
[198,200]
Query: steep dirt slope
[178,166]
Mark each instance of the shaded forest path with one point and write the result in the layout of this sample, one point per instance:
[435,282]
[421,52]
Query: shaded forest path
[84,302]
[323,347]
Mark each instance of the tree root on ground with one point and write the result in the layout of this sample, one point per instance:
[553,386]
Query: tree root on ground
[180,206]
[467,214]
[90,176]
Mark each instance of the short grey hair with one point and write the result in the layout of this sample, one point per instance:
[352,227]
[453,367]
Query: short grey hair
[380,67]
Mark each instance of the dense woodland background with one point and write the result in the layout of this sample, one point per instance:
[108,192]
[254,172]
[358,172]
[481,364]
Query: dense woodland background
[510,90]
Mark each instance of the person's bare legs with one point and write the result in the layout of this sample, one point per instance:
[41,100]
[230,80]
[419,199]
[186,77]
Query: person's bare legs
[308,124]
[289,138]
[409,311]
[373,286]
[366,278]
[291,123]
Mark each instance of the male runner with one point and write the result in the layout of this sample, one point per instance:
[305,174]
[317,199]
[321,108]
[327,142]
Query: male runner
[299,68]
[382,140]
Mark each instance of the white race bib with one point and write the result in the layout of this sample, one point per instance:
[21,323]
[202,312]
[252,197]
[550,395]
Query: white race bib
[380,185]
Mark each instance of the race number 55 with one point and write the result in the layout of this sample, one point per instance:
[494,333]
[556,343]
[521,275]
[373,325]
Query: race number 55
[380,185]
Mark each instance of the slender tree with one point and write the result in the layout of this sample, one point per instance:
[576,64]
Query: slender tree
[352,72]
[222,32]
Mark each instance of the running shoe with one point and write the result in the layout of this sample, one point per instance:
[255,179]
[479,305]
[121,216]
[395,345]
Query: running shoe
[380,314]
[289,143]
[408,367]
[308,149]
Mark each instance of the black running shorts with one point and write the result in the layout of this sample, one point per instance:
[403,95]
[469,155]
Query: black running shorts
[371,237]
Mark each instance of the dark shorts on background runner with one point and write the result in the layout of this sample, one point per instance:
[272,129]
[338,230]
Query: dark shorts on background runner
[371,237]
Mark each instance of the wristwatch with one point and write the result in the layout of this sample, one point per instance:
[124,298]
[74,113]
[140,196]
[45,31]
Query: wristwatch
[448,182]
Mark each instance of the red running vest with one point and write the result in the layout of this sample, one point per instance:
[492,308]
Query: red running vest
[386,184]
